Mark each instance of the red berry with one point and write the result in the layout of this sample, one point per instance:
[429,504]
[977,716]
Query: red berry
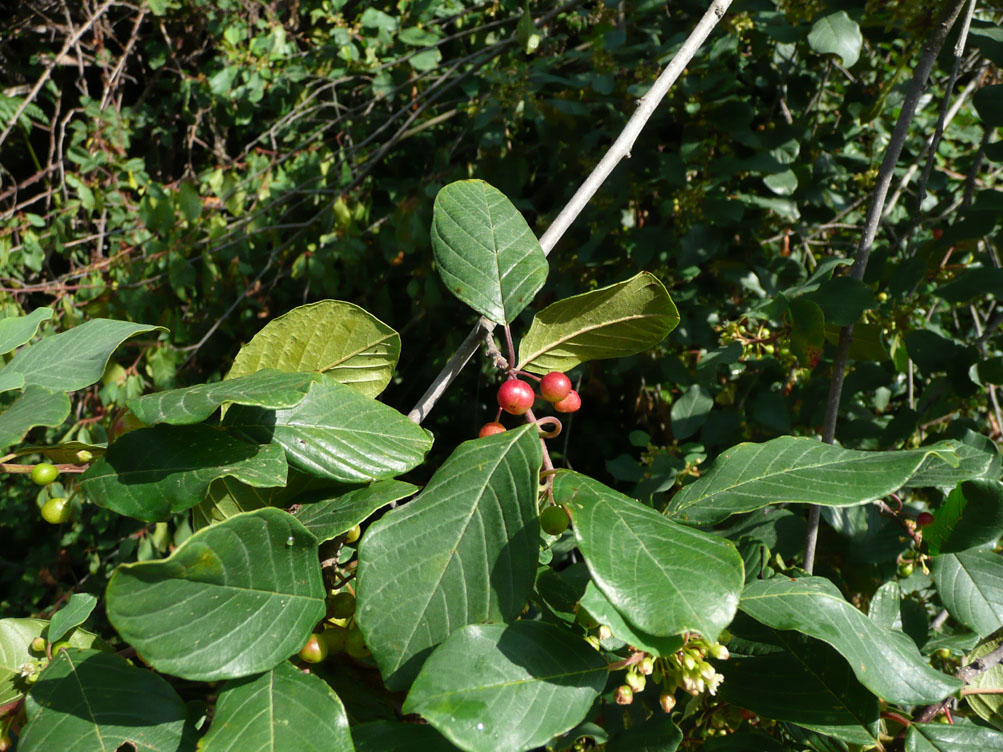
[490,429]
[569,404]
[924,519]
[515,397]
[315,649]
[555,386]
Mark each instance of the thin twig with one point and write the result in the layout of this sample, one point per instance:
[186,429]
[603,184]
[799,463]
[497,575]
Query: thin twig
[926,62]
[966,674]
[618,151]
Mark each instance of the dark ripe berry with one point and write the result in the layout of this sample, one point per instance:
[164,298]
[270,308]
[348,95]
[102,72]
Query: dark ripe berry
[57,511]
[569,404]
[554,520]
[44,473]
[924,519]
[490,429]
[555,386]
[341,606]
[315,649]
[515,397]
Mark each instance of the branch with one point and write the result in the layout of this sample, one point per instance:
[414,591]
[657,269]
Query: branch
[617,152]
[966,674]
[926,62]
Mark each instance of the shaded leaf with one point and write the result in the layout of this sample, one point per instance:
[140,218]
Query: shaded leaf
[331,336]
[600,609]
[485,252]
[837,34]
[234,599]
[884,661]
[988,101]
[525,670]
[75,358]
[807,331]
[657,734]
[17,330]
[664,578]
[72,615]
[154,472]
[282,709]
[266,388]
[970,584]
[338,434]
[87,700]
[380,736]
[463,551]
[690,411]
[842,300]
[330,517]
[35,406]
[791,469]
[611,322]
[971,515]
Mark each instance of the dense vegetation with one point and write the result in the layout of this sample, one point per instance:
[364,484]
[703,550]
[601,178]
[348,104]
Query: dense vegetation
[176,174]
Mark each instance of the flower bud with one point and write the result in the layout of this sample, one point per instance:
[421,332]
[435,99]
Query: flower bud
[624,695]
[720,652]
[605,632]
[646,666]
[668,701]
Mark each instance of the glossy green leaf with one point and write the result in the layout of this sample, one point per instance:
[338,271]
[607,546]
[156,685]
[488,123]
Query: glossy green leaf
[664,578]
[978,457]
[807,683]
[381,736]
[507,687]
[154,472]
[599,608]
[884,661]
[463,551]
[35,406]
[86,700]
[938,737]
[72,615]
[338,434]
[837,34]
[330,517]
[234,599]
[611,322]
[485,252]
[331,336]
[266,388]
[970,585]
[15,638]
[971,515]
[794,470]
[17,330]
[280,710]
[988,706]
[75,358]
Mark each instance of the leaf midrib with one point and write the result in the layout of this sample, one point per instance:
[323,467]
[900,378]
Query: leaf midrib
[562,340]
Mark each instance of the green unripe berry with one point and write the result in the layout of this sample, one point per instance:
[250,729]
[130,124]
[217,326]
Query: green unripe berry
[341,605]
[355,644]
[554,520]
[38,645]
[335,638]
[635,681]
[44,473]
[906,568]
[57,511]
[353,535]
[315,649]
[944,653]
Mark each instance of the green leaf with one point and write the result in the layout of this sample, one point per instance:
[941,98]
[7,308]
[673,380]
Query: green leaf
[228,497]
[381,736]
[338,434]
[971,515]
[885,661]
[463,551]
[330,517]
[35,406]
[806,682]
[72,615]
[485,252]
[989,371]
[10,381]
[970,584]
[842,300]
[282,709]
[837,34]
[87,700]
[15,638]
[76,358]
[977,455]
[64,453]
[525,670]
[868,342]
[331,336]
[938,737]
[988,102]
[154,472]
[611,322]
[234,599]
[664,578]
[971,284]
[600,609]
[987,706]
[807,331]
[690,411]
[782,183]
[796,470]
[657,734]
[17,330]
[266,388]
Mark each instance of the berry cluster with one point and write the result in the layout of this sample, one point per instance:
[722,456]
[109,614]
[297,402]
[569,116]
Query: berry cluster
[58,509]
[340,634]
[516,397]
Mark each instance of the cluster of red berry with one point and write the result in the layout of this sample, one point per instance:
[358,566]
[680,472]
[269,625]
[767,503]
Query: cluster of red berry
[516,397]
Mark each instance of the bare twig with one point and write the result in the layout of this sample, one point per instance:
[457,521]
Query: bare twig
[926,62]
[618,151]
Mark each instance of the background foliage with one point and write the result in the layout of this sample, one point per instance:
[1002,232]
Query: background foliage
[207,166]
